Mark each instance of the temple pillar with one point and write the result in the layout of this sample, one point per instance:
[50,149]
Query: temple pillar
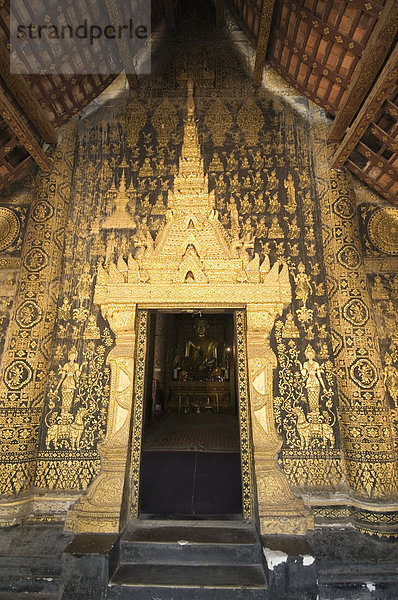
[101,508]
[364,413]
[26,356]
[279,510]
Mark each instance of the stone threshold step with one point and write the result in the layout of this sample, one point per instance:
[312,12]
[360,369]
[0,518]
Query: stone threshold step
[188,552]
[22,583]
[27,596]
[168,593]
[193,535]
[189,521]
[190,576]
[358,577]
[29,571]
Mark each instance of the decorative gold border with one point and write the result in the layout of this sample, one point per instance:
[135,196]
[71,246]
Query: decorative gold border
[246,451]
[138,407]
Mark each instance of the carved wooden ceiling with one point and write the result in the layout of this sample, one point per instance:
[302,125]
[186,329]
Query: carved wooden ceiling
[342,54]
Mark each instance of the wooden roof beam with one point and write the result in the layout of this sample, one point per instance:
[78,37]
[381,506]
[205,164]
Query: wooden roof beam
[241,22]
[373,183]
[16,172]
[220,14]
[382,90]
[25,98]
[23,132]
[262,40]
[115,16]
[369,65]
[168,6]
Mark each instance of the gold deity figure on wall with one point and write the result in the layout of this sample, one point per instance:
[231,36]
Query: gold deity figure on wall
[70,374]
[84,282]
[291,204]
[303,285]
[233,211]
[311,371]
[201,352]
[391,378]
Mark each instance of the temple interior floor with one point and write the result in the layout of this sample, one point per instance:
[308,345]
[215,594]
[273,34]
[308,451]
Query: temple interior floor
[201,432]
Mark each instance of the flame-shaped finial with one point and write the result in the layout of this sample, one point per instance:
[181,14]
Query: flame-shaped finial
[122,186]
[190,101]
[123,164]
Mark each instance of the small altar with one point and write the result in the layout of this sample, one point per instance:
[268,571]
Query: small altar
[200,396]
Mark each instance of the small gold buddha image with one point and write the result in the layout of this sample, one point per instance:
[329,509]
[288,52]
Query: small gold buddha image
[201,351]
[146,169]
[289,328]
[216,164]
[275,231]
[92,331]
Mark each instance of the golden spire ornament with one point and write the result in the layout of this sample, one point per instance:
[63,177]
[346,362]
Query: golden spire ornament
[121,197]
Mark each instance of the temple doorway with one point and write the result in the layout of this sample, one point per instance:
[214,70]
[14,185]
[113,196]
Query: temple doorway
[190,460]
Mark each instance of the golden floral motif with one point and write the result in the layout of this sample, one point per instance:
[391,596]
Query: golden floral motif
[134,120]
[165,121]
[250,119]
[363,372]
[356,312]
[9,227]
[28,314]
[36,260]
[383,230]
[218,120]
[18,374]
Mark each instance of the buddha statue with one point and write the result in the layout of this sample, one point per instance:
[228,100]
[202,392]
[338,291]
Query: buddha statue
[201,352]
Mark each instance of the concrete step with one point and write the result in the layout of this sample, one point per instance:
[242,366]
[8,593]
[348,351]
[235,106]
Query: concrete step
[30,560]
[180,582]
[177,560]
[29,584]
[29,574]
[27,596]
[187,544]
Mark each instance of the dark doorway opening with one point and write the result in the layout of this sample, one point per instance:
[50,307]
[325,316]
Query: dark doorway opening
[190,463]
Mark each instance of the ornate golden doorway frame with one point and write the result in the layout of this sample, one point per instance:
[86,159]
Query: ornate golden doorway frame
[193,262]
[103,508]
[246,451]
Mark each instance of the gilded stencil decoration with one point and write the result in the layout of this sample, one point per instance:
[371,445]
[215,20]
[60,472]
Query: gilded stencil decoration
[364,416]
[381,266]
[178,269]
[134,120]
[244,416]
[218,120]
[165,121]
[250,120]
[383,230]
[305,414]
[25,357]
[245,217]
[100,509]
[138,408]
[9,227]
